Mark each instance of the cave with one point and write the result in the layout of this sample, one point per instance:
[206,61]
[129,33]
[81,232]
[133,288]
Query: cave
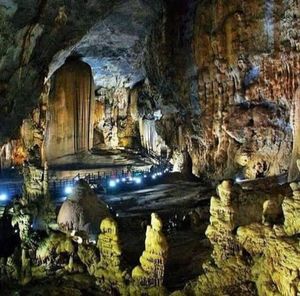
[150,147]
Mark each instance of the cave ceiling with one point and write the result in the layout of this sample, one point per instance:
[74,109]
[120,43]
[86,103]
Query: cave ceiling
[114,46]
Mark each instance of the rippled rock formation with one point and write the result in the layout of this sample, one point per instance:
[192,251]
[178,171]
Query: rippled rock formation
[71,111]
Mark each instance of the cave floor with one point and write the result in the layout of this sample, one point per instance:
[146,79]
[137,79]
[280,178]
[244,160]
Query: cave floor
[104,161]
[165,197]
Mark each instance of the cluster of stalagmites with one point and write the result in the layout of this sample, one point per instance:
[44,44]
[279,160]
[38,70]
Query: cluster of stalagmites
[258,258]
[33,210]
[68,252]
[110,271]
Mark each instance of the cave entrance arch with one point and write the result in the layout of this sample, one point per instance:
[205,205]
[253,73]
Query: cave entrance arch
[70,111]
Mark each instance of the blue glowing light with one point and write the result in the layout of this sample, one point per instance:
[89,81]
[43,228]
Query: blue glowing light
[153,176]
[112,183]
[138,180]
[3,197]
[123,179]
[118,180]
[68,190]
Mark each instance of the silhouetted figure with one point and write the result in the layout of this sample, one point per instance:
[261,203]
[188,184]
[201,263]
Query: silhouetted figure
[9,238]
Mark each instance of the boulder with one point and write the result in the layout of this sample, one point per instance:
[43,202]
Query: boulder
[82,210]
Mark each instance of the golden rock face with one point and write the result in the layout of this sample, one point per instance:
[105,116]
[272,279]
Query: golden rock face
[70,112]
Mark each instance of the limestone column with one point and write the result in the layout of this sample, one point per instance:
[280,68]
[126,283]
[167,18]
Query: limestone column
[70,111]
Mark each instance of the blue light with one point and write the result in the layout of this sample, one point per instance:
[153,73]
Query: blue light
[145,176]
[123,179]
[153,176]
[137,180]
[112,183]
[118,180]
[130,178]
[68,190]
[3,197]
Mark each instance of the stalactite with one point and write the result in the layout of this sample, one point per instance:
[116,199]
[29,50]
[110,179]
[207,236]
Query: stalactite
[293,170]
[150,139]
[70,114]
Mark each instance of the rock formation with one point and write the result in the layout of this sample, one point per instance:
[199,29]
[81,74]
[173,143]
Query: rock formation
[251,257]
[211,85]
[229,97]
[222,224]
[291,211]
[109,272]
[293,172]
[35,178]
[153,260]
[70,111]
[82,210]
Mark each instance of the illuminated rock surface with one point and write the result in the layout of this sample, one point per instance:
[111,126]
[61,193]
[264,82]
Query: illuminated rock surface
[110,271]
[207,88]
[71,110]
[151,271]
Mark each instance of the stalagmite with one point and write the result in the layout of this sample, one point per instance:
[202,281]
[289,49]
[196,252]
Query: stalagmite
[109,270]
[220,230]
[153,260]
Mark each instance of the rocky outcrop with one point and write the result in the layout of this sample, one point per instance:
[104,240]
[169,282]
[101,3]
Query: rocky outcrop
[82,211]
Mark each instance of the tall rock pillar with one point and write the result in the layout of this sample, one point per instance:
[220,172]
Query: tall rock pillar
[70,111]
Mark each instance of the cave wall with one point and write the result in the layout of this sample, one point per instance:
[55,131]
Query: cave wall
[228,72]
